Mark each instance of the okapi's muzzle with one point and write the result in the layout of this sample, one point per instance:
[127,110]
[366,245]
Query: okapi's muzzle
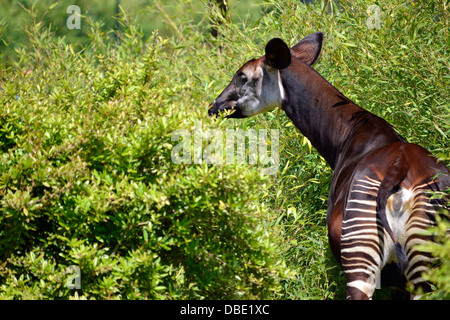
[215,109]
[226,102]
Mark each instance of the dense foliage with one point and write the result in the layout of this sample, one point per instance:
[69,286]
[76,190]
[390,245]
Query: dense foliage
[87,176]
[87,179]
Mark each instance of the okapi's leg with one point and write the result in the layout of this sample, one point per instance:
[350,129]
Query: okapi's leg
[360,259]
[421,216]
[362,240]
[360,285]
[419,263]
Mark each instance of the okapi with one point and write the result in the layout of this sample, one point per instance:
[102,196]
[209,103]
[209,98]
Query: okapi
[380,198]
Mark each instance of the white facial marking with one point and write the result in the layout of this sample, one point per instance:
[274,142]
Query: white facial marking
[262,92]
[281,88]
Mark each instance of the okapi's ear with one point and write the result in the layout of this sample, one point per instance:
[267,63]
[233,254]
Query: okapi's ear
[308,49]
[278,54]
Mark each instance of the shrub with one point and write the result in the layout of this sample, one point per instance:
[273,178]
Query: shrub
[87,180]
[440,249]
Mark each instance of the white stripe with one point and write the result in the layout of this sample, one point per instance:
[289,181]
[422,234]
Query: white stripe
[370,193]
[426,184]
[414,242]
[360,235]
[417,258]
[364,202]
[358,225]
[423,210]
[365,270]
[432,205]
[367,288]
[421,186]
[281,88]
[361,242]
[367,250]
[423,222]
[371,181]
[361,210]
[366,187]
[368,219]
[423,203]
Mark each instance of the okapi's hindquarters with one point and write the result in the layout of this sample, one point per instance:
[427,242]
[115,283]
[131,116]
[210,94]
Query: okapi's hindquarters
[372,238]
[366,248]
[419,213]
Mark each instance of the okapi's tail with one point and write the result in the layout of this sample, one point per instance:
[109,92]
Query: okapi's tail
[394,176]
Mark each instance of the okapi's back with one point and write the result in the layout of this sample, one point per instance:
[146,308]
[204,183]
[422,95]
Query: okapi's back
[424,168]
[420,165]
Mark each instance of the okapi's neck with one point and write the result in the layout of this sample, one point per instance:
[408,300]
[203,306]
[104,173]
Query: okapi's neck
[336,127]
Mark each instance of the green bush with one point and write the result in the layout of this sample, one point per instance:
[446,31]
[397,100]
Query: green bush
[87,180]
[440,275]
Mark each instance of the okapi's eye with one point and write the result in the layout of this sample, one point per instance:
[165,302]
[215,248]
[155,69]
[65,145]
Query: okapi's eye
[243,79]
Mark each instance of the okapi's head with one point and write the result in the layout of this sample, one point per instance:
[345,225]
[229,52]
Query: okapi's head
[257,86]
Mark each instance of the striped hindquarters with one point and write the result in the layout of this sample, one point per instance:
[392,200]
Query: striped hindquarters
[365,245]
[421,215]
